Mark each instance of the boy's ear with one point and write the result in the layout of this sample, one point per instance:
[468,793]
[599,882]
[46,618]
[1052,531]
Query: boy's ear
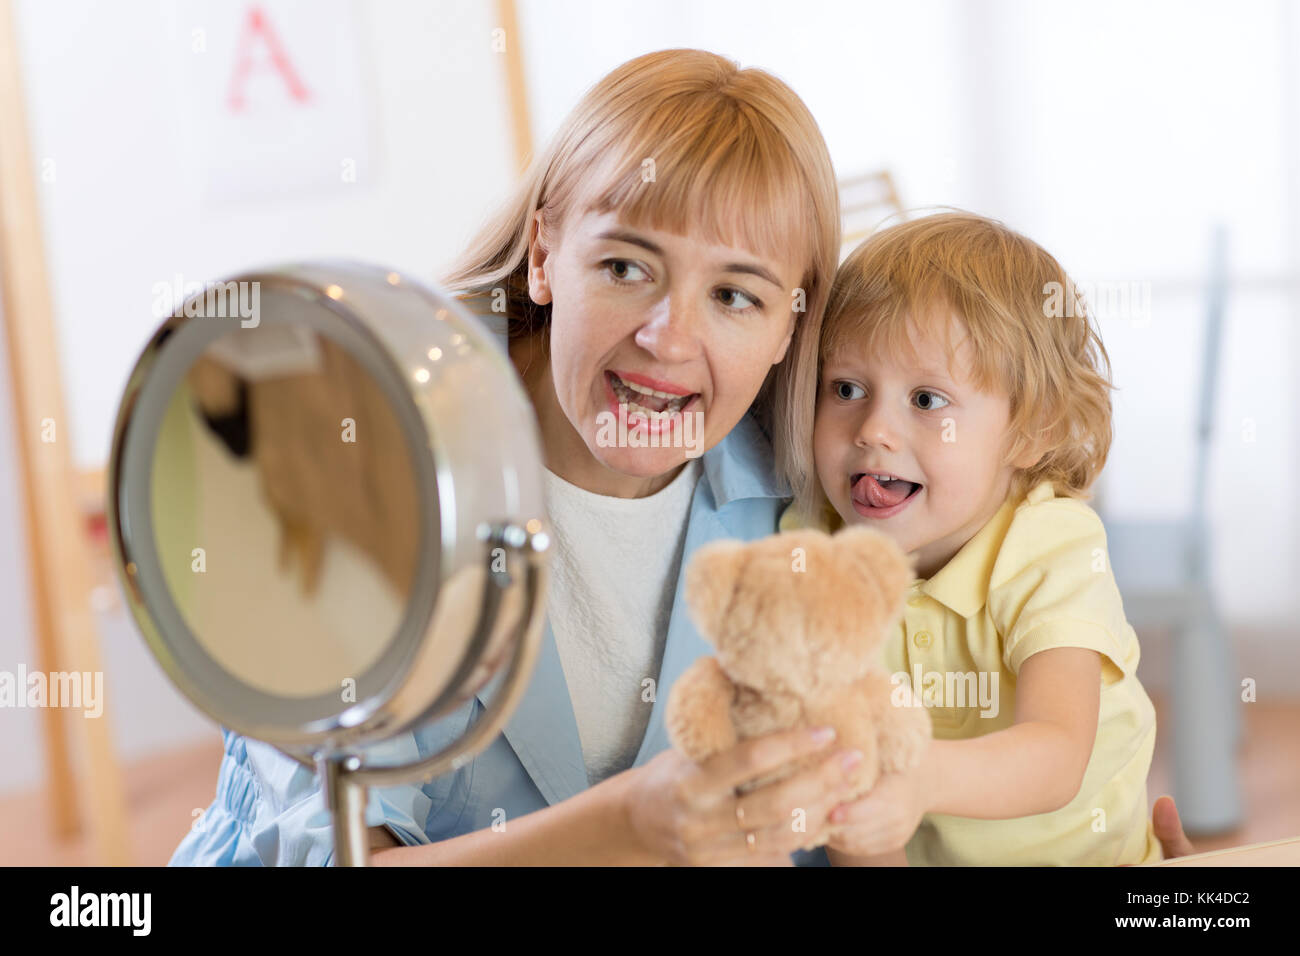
[539,287]
[1029,457]
[1037,447]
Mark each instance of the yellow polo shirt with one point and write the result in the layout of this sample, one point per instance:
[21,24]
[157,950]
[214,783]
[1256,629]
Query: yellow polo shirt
[1036,576]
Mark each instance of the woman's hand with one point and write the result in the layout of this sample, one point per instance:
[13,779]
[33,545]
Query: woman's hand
[883,820]
[688,814]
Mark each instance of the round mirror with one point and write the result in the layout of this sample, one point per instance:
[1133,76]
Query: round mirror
[326,513]
[280,478]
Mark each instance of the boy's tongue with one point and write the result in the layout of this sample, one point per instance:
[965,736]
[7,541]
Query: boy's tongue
[880,495]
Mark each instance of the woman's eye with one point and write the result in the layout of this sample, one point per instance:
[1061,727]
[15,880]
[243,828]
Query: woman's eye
[623,270]
[844,390]
[930,405]
[737,300]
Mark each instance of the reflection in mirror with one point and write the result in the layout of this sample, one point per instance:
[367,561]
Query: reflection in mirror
[282,496]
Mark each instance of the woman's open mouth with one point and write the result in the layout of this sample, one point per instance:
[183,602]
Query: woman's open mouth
[642,400]
[881,496]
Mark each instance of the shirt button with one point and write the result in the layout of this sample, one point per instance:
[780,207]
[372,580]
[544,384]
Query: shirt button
[921,639]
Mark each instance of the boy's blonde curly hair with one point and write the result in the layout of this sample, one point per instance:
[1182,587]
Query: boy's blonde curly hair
[1031,333]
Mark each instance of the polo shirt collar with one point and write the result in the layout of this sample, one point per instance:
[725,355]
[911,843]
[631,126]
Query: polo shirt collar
[963,583]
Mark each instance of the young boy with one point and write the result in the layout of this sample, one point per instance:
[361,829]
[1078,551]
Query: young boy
[961,408]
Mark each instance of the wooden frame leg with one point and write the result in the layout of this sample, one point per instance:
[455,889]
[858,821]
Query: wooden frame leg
[59,548]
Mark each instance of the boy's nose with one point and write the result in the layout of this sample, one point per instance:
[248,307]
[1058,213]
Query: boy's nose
[877,427]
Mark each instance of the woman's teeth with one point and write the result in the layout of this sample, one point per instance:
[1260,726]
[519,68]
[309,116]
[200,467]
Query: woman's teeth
[649,402]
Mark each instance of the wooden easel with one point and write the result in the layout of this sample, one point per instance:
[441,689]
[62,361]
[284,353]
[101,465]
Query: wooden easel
[521,127]
[58,547]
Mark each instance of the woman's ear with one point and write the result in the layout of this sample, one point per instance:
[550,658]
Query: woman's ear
[785,346]
[539,287]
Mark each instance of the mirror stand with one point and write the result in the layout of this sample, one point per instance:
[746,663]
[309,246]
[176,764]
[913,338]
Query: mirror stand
[345,782]
[345,798]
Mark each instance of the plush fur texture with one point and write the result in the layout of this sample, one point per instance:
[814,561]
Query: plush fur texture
[798,620]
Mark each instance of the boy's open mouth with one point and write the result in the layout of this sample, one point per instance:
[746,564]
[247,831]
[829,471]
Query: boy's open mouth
[885,493]
[649,402]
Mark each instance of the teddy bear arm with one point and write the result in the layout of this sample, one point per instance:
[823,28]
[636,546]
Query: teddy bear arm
[699,711]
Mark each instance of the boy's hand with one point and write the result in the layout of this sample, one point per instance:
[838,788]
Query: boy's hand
[884,820]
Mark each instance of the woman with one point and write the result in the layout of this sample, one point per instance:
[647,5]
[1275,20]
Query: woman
[669,248]
[672,245]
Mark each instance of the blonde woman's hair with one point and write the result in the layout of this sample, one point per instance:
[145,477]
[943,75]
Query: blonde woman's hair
[734,156]
[1031,335]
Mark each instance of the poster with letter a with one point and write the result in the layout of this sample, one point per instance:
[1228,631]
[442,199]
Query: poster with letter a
[273,98]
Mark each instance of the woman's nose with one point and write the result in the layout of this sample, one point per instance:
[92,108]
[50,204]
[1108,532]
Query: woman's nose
[672,333]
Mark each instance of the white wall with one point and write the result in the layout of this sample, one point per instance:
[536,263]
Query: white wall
[1127,130]
[125,211]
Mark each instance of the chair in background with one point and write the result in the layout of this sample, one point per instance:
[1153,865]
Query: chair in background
[865,201]
[1162,568]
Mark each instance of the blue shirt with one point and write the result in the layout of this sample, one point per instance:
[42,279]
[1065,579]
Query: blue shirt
[269,809]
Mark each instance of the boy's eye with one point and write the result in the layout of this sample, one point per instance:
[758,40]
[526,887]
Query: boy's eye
[933,396]
[844,390]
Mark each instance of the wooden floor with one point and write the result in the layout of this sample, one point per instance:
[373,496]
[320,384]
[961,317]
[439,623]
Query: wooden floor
[164,792]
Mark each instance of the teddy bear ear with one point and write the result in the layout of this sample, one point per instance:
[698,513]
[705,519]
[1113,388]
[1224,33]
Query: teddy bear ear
[878,556]
[711,583]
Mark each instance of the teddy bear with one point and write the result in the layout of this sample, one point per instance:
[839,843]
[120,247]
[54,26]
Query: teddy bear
[798,620]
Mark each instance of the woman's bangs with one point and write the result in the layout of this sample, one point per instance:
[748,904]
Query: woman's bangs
[718,184]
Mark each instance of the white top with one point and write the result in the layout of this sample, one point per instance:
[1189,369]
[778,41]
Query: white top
[614,565]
